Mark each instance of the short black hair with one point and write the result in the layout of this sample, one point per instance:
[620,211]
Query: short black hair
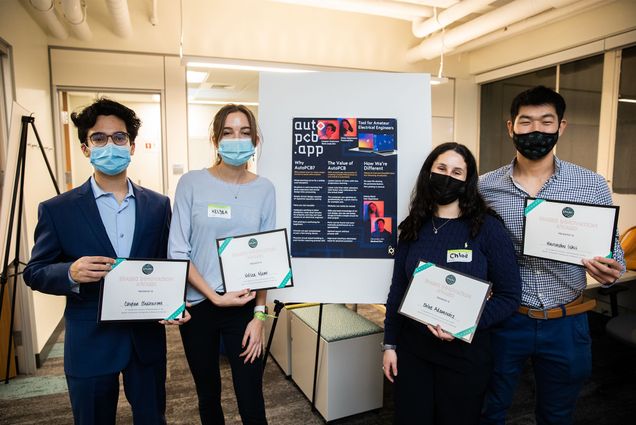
[379,219]
[87,118]
[539,95]
[332,125]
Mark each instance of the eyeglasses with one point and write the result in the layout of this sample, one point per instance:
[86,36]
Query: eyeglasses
[119,138]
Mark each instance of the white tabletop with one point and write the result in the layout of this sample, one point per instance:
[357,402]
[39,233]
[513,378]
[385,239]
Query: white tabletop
[628,276]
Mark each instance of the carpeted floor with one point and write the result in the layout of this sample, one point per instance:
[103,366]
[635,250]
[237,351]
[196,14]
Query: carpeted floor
[609,397]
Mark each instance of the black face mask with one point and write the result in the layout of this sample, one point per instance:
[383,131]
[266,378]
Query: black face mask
[535,145]
[446,189]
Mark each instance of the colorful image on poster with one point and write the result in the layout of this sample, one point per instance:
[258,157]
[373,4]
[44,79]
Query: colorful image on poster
[348,128]
[373,209]
[344,187]
[381,229]
[328,129]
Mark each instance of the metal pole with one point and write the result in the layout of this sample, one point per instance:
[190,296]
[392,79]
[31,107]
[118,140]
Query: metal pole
[313,393]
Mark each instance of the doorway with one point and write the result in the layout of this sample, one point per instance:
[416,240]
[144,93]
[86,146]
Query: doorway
[146,167]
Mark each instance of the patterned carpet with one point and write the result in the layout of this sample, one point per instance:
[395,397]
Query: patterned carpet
[609,398]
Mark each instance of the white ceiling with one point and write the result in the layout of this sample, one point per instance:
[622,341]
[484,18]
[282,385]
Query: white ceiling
[442,26]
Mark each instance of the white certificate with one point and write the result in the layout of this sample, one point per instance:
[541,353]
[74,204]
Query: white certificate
[568,232]
[255,261]
[137,290]
[440,296]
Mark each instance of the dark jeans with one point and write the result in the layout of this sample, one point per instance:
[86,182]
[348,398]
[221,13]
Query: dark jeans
[560,350]
[200,338]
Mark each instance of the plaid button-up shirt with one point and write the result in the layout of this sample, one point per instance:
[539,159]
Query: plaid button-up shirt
[546,283]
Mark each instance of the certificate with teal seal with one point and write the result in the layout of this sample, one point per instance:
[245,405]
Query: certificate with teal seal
[440,296]
[143,290]
[255,261]
[568,232]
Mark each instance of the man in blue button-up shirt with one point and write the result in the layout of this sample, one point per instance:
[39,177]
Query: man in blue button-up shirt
[560,347]
[78,236]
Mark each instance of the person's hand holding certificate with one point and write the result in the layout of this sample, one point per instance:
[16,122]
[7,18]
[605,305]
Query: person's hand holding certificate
[439,296]
[255,261]
[150,290]
[568,232]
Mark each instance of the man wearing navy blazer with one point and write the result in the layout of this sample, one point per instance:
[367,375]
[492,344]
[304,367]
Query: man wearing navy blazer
[78,236]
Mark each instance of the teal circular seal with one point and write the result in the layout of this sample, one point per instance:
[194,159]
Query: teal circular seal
[450,279]
[567,212]
[147,269]
[253,243]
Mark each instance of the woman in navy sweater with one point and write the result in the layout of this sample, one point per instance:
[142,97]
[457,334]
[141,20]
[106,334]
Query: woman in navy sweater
[441,379]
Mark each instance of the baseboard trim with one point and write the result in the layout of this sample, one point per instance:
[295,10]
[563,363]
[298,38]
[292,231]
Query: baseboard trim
[41,357]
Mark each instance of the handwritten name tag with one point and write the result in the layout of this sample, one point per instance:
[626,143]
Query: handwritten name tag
[459,255]
[219,211]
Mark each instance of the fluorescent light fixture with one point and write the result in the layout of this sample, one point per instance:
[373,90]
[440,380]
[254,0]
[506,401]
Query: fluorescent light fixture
[237,67]
[221,102]
[436,81]
[627,100]
[196,77]
[249,65]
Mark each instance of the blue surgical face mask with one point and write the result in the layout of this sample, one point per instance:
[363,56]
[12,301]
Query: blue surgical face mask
[110,159]
[236,151]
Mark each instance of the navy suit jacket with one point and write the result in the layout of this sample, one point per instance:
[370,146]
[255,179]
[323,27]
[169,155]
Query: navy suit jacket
[69,227]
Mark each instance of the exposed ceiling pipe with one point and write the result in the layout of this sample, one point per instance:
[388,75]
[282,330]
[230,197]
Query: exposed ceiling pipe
[119,12]
[154,18]
[454,13]
[386,8]
[75,15]
[46,9]
[492,21]
[528,24]
[444,4]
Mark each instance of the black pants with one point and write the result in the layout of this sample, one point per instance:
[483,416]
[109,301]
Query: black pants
[441,383]
[200,338]
[94,399]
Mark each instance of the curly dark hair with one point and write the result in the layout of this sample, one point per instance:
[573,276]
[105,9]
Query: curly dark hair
[86,119]
[422,207]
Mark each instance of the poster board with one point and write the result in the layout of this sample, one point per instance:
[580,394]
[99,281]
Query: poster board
[283,97]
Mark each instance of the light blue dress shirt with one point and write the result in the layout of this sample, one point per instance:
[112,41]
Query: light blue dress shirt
[118,219]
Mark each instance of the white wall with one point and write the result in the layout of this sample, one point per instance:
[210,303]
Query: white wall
[31,76]
[608,19]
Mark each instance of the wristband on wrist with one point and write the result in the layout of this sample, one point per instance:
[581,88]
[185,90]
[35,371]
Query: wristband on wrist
[385,347]
[260,315]
[261,308]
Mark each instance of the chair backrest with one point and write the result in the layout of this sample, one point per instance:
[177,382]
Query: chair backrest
[628,242]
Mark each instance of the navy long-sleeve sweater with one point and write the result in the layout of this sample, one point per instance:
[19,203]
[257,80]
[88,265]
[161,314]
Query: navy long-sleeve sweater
[493,259]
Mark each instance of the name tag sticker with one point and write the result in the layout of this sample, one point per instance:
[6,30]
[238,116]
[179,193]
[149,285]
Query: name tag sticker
[459,256]
[219,211]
